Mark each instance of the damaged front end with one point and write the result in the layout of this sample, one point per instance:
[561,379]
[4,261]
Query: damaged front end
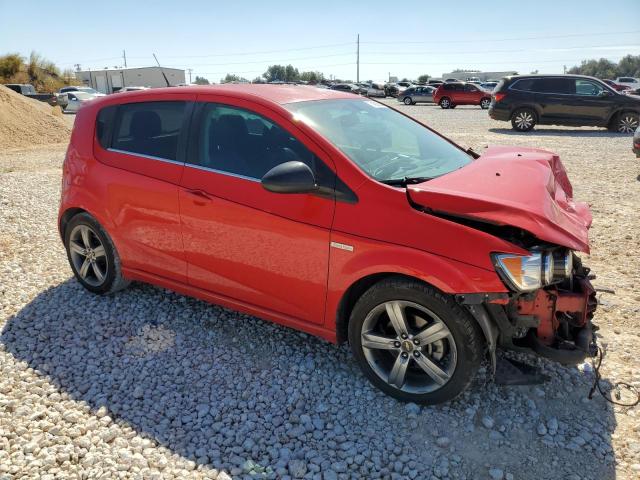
[553,321]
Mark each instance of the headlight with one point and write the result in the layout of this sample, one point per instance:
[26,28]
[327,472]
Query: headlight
[562,264]
[530,272]
[523,273]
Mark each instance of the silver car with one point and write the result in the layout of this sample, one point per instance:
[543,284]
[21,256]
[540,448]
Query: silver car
[415,94]
[376,90]
[75,100]
[63,93]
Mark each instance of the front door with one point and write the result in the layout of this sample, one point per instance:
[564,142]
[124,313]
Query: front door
[241,241]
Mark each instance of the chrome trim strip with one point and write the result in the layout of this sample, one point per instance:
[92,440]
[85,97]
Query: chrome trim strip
[222,172]
[142,155]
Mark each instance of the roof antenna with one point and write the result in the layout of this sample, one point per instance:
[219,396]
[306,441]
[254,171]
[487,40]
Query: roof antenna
[162,71]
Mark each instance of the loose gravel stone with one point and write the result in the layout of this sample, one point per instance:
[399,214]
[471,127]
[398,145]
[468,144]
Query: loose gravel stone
[147,383]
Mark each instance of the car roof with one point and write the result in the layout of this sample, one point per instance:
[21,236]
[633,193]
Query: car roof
[280,94]
[553,75]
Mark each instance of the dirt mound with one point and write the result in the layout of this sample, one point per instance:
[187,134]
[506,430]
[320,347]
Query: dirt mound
[25,122]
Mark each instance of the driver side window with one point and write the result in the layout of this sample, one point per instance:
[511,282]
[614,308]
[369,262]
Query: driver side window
[587,88]
[239,142]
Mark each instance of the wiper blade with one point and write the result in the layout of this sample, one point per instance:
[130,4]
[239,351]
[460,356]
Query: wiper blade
[403,182]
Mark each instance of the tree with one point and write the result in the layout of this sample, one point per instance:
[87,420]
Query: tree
[201,81]
[230,77]
[280,73]
[312,77]
[628,66]
[10,64]
[423,78]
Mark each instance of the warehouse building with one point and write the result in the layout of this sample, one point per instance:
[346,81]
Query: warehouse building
[112,80]
[483,76]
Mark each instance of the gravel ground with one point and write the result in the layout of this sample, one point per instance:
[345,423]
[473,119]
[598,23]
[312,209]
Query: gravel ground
[151,384]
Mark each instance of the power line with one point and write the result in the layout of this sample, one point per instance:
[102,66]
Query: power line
[544,37]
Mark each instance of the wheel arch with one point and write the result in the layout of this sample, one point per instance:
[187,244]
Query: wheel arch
[533,107]
[357,289]
[66,217]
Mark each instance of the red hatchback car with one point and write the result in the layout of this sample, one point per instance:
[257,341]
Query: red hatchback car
[450,95]
[334,215]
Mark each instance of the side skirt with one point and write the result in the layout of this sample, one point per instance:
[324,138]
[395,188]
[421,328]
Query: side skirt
[231,303]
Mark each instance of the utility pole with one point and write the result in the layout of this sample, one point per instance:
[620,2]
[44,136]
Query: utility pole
[124,57]
[189,70]
[564,69]
[358,60]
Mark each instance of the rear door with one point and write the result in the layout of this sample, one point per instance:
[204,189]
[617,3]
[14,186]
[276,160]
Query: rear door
[554,96]
[144,142]
[241,241]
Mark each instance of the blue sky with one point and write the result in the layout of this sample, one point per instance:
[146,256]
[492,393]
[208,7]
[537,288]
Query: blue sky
[403,38]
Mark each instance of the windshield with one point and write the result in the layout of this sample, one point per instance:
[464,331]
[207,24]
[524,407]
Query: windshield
[385,144]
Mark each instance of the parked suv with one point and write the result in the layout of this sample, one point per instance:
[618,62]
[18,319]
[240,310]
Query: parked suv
[334,215]
[527,100]
[450,95]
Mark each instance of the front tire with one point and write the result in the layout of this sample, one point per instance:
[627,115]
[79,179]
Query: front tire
[445,103]
[407,101]
[523,119]
[93,257]
[413,342]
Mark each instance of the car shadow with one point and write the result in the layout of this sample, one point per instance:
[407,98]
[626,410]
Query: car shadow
[542,132]
[204,383]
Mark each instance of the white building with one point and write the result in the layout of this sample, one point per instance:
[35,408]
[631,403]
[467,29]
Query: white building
[112,80]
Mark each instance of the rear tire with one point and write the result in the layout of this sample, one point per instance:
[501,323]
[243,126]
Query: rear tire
[437,352]
[485,103]
[93,258]
[445,103]
[626,122]
[523,119]
[407,101]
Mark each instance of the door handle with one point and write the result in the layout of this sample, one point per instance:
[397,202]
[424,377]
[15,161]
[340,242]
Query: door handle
[200,197]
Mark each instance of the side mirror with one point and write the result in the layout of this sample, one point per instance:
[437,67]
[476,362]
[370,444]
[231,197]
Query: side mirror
[290,177]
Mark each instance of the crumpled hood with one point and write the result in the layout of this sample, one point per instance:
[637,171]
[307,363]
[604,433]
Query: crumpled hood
[526,188]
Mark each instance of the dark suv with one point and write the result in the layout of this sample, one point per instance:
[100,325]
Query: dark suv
[574,100]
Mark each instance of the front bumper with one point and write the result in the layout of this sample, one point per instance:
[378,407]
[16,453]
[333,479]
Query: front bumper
[554,322]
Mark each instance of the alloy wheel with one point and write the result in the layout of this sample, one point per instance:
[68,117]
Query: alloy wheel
[88,255]
[444,103]
[523,120]
[628,124]
[408,346]
[484,103]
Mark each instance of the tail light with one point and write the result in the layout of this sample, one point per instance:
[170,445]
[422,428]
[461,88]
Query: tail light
[498,97]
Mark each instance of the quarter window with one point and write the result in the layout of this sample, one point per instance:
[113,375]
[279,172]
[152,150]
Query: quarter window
[149,128]
[240,142]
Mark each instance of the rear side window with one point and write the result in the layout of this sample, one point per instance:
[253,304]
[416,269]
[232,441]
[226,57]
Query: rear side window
[555,85]
[236,141]
[149,128]
[525,85]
